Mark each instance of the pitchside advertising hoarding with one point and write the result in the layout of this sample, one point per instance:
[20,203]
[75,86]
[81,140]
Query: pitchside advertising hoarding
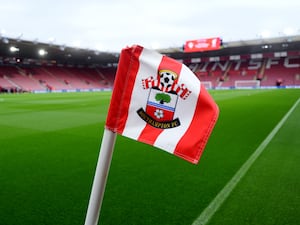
[205,44]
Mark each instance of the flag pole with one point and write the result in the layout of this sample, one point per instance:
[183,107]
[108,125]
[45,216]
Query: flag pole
[102,169]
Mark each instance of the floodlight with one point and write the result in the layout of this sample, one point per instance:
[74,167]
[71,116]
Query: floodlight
[14,49]
[42,52]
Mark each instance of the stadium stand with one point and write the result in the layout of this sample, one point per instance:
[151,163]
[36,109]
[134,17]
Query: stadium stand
[273,62]
[51,78]
[284,71]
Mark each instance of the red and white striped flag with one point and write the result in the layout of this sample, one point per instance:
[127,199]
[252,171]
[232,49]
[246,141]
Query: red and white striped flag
[159,101]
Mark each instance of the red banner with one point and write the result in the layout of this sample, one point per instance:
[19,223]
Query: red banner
[200,45]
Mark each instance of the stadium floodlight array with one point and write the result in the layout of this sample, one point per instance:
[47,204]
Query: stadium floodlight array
[240,84]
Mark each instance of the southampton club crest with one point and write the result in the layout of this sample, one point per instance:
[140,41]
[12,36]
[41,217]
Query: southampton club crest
[164,92]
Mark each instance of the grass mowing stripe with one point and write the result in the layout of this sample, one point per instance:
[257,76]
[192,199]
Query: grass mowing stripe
[210,210]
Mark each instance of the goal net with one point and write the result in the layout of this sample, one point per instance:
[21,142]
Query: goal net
[247,84]
[207,84]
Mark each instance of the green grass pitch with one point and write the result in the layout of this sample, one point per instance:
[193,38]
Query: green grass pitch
[49,146]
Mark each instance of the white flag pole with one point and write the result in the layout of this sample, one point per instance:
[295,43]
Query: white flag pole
[103,164]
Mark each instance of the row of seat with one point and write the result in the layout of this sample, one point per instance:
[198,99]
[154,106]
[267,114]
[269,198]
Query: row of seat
[269,71]
[43,78]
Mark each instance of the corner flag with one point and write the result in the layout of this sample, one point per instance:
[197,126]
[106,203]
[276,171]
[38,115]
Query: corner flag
[159,101]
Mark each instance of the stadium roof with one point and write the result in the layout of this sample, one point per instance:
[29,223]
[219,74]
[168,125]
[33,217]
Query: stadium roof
[35,52]
[269,45]
[29,52]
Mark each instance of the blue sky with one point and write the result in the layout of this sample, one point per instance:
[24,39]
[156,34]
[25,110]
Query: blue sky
[111,25]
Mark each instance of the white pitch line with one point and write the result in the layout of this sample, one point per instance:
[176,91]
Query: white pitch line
[210,210]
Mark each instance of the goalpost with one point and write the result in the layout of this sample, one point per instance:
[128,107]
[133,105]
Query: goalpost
[207,84]
[240,84]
